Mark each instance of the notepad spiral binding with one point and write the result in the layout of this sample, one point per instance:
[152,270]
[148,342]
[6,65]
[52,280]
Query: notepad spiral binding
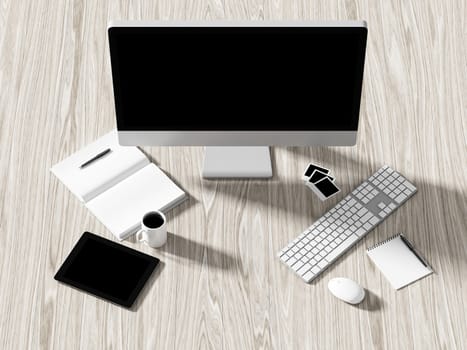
[384,242]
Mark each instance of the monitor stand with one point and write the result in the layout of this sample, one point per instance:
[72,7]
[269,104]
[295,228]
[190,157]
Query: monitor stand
[237,162]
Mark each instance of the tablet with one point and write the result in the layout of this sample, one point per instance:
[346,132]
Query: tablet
[106,269]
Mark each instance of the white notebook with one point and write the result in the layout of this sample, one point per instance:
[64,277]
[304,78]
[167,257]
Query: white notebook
[119,187]
[398,261]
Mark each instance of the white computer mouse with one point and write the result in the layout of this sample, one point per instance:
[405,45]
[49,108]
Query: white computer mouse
[346,290]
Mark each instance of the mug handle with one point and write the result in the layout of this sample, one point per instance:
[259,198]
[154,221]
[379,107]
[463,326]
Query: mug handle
[139,236]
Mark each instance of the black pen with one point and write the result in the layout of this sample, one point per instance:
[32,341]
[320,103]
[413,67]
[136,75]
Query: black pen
[93,159]
[409,245]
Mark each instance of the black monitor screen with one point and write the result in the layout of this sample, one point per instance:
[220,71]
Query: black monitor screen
[237,78]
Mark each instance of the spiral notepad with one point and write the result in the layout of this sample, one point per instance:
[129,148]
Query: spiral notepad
[398,261]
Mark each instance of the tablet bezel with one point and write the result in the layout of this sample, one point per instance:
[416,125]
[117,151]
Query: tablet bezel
[151,261]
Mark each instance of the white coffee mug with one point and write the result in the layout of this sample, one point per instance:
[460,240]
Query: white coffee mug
[153,230]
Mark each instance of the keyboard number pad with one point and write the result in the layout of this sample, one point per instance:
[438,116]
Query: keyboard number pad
[394,186]
[365,192]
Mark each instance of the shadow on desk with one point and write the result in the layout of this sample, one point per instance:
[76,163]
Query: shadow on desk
[183,247]
[371,303]
[149,284]
[436,224]
[188,249]
[433,219]
[292,196]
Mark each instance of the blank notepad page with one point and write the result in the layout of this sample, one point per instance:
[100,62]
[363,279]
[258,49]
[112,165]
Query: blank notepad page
[398,263]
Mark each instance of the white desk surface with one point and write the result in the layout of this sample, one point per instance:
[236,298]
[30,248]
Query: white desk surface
[220,285]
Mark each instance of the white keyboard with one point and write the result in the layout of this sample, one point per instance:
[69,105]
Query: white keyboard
[345,224]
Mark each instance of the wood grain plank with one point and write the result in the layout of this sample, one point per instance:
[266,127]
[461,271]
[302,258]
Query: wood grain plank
[220,285]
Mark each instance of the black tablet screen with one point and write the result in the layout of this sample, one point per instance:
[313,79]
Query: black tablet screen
[106,269]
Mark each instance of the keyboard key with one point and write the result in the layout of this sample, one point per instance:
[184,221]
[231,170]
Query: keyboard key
[400,198]
[315,269]
[308,276]
[297,266]
[410,186]
[322,263]
[341,247]
[360,232]
[374,220]
[362,212]
[366,217]
[298,255]
[303,269]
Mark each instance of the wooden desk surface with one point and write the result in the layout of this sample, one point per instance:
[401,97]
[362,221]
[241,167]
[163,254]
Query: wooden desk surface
[220,284]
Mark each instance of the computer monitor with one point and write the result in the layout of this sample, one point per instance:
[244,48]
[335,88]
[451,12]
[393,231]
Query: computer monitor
[237,84]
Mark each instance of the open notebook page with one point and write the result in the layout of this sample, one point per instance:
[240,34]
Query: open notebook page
[99,176]
[121,207]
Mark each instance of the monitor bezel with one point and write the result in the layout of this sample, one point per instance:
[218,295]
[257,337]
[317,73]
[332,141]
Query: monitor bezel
[241,137]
